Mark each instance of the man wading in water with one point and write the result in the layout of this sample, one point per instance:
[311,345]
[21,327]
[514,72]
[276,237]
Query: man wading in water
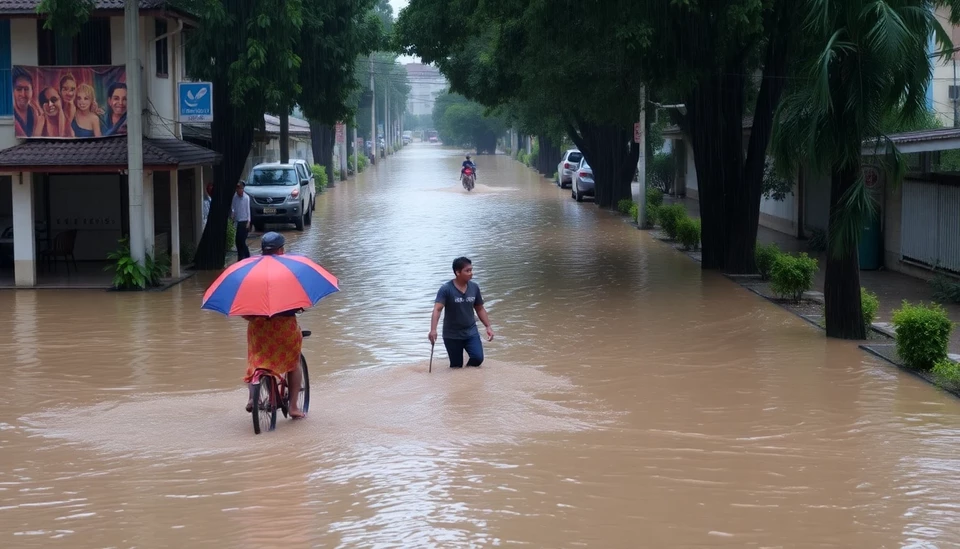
[461,298]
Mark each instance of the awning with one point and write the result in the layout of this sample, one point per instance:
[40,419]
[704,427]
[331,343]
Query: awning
[100,155]
[942,139]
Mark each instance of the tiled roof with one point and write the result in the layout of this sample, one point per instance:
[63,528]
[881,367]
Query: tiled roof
[298,126]
[109,152]
[30,6]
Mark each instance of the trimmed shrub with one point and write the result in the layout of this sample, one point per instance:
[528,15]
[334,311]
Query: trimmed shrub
[319,177]
[652,214]
[869,305]
[947,372]
[624,205]
[765,256]
[654,197]
[792,275]
[670,216]
[634,212]
[688,233]
[923,332]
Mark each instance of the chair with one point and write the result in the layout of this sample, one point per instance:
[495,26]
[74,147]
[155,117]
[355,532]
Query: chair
[62,246]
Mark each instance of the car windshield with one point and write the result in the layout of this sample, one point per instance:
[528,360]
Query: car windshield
[263,177]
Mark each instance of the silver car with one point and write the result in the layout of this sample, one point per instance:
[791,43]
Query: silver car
[279,194]
[568,163]
[583,184]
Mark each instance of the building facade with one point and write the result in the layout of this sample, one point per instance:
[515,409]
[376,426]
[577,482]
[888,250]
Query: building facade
[63,145]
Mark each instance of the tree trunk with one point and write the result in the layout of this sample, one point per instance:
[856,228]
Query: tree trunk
[717,156]
[612,160]
[329,140]
[284,137]
[549,156]
[841,289]
[234,144]
[743,199]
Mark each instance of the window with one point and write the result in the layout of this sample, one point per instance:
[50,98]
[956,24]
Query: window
[273,176]
[163,51]
[91,46]
[6,86]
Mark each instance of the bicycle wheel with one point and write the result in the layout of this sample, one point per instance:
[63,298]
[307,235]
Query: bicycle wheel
[304,398]
[264,410]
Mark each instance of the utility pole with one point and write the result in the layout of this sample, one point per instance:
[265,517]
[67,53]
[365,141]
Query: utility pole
[131,27]
[642,162]
[356,152]
[373,116]
[386,122]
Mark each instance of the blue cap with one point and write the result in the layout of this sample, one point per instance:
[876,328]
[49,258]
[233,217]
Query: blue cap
[271,242]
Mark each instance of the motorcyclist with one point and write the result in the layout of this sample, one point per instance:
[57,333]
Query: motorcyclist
[468,164]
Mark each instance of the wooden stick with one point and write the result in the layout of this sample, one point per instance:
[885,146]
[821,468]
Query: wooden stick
[430,370]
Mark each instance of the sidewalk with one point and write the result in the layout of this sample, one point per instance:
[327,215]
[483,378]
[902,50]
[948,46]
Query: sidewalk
[891,287]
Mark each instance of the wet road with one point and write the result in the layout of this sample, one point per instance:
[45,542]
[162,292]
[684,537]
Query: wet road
[629,400]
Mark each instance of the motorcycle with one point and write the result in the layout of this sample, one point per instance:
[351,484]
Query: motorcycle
[468,179]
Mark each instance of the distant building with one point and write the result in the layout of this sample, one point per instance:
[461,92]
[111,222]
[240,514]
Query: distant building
[426,83]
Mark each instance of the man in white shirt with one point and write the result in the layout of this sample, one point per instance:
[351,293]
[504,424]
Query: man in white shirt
[240,214]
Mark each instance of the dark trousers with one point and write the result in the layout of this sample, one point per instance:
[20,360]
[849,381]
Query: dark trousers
[456,347]
[243,251]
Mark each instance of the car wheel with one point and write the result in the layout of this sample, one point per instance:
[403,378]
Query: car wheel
[299,221]
[308,217]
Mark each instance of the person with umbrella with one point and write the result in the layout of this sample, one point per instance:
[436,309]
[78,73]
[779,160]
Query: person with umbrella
[274,342]
[268,291]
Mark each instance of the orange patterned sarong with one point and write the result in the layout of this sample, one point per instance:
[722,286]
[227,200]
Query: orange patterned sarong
[272,343]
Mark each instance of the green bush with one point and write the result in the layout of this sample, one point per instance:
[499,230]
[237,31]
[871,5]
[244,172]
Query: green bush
[361,161]
[231,235]
[654,197]
[947,372]
[624,205]
[127,273]
[923,332]
[765,256]
[792,275]
[945,290]
[556,176]
[688,233]
[156,269]
[670,216]
[320,177]
[652,213]
[661,170]
[634,212]
[869,305]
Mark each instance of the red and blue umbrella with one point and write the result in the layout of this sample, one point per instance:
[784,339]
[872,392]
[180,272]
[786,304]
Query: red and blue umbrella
[269,284]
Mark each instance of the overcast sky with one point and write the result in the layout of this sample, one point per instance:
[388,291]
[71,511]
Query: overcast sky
[397,6]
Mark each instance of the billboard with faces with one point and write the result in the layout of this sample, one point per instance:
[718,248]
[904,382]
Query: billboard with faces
[69,102]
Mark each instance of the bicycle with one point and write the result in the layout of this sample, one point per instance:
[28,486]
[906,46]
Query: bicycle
[270,392]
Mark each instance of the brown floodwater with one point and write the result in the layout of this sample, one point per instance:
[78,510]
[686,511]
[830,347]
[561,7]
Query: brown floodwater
[629,400]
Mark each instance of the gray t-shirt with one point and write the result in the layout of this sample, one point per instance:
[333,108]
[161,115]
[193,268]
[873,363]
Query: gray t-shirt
[459,321]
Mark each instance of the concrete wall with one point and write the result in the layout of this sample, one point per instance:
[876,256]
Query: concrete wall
[90,203]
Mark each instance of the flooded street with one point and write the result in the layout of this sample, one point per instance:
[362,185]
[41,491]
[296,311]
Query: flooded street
[628,400]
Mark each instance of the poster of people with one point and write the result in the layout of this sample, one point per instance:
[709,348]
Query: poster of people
[69,102]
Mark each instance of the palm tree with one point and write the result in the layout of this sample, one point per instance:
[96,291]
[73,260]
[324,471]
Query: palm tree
[866,60]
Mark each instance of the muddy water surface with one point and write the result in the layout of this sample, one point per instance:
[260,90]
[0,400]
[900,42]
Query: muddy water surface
[629,400]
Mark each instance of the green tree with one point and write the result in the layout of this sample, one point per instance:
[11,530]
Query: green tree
[465,123]
[866,62]
[334,34]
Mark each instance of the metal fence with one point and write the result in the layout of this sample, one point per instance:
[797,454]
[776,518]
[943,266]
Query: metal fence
[930,224]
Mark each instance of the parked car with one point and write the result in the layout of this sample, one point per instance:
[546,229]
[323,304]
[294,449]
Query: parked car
[583,184]
[279,194]
[407,137]
[303,168]
[565,168]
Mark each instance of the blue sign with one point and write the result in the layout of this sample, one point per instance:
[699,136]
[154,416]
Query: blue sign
[196,101]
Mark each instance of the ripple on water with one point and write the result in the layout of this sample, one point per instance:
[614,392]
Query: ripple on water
[386,406]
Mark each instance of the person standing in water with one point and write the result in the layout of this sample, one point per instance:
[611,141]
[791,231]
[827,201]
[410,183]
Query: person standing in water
[461,298]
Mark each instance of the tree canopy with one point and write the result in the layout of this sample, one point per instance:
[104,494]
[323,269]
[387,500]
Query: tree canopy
[465,123]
